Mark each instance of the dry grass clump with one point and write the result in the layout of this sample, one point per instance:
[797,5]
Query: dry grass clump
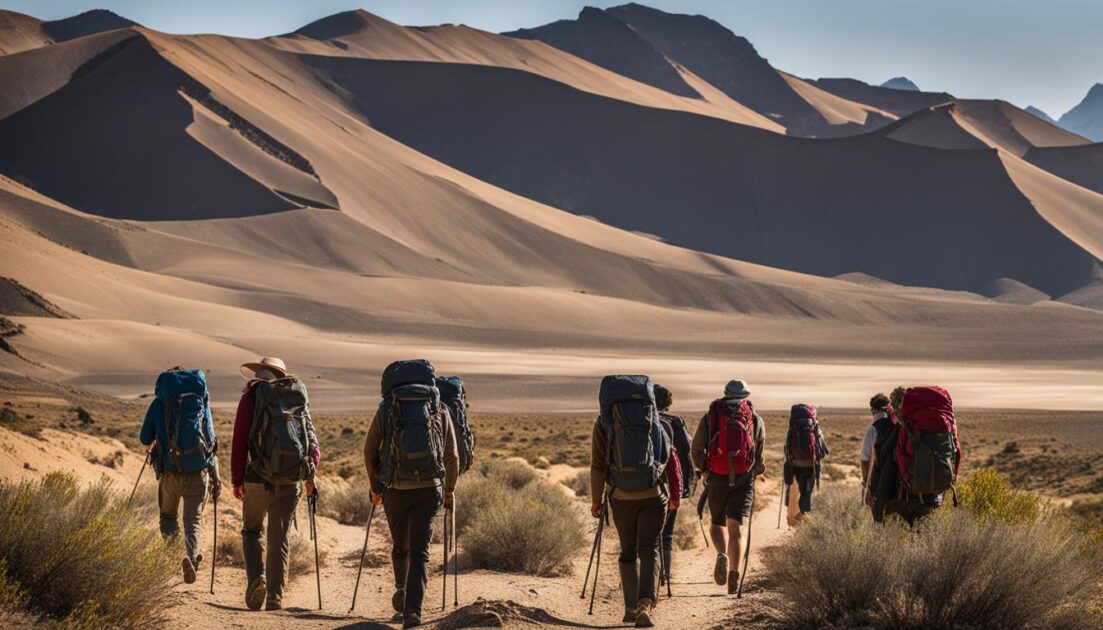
[579,483]
[514,472]
[81,557]
[349,505]
[531,528]
[959,568]
[687,531]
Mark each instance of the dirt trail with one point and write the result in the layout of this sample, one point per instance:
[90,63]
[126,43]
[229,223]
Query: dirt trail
[697,602]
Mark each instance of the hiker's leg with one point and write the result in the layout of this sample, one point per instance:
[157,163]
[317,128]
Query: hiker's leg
[426,504]
[253,509]
[735,543]
[396,504]
[168,502]
[806,482]
[281,510]
[195,499]
[739,506]
[624,520]
[718,505]
[650,517]
[668,541]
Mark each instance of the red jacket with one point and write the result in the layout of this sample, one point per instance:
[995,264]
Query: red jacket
[673,471]
[243,422]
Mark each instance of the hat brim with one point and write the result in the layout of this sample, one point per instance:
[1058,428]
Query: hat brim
[249,370]
[739,395]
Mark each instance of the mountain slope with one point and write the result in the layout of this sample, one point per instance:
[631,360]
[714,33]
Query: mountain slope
[899,102]
[20,32]
[1086,119]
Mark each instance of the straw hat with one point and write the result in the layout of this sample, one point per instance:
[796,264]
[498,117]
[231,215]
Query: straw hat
[276,366]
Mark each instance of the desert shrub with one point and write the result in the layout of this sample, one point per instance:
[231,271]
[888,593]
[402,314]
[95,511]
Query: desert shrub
[833,472]
[958,569]
[580,483]
[687,531]
[348,506]
[81,557]
[533,529]
[514,472]
[988,495]
[228,551]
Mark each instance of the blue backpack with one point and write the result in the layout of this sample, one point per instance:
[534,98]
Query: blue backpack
[184,442]
[454,396]
[412,422]
[638,449]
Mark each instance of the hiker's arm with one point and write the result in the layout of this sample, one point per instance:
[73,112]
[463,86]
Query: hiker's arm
[597,463]
[371,453]
[314,447]
[239,448]
[759,444]
[149,433]
[699,445]
[451,453]
[674,478]
[208,427]
[822,440]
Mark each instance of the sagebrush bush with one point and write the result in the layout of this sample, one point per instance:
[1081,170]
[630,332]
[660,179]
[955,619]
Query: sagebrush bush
[579,483]
[988,495]
[515,473]
[81,557]
[687,531]
[957,569]
[349,505]
[533,529]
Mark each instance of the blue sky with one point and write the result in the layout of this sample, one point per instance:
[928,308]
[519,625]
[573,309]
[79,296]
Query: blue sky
[1046,54]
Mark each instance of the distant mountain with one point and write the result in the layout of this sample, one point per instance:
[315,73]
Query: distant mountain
[20,32]
[1034,111]
[899,102]
[900,83]
[1086,118]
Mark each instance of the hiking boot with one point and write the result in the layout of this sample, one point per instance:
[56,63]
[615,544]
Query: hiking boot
[720,569]
[412,620]
[733,583]
[189,572]
[195,563]
[630,587]
[643,614]
[273,606]
[255,594]
[398,600]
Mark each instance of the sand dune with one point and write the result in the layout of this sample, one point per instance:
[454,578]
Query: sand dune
[898,102]
[1081,165]
[20,32]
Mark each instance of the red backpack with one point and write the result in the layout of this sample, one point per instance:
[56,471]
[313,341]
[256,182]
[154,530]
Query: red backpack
[928,453]
[731,448]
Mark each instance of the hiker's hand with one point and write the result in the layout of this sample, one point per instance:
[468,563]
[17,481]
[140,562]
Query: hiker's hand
[376,498]
[239,492]
[698,473]
[672,505]
[595,510]
[215,487]
[310,487]
[760,469]
[449,499]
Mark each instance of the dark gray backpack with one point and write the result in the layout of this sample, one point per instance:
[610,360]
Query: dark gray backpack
[413,424]
[279,441]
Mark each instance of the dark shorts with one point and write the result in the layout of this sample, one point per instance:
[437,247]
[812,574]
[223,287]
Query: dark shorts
[730,502]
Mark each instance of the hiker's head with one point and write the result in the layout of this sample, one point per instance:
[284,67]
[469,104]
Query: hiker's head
[737,389]
[879,403]
[663,398]
[896,398]
[268,368]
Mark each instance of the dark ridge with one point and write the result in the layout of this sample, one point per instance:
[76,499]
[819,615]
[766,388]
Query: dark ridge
[88,67]
[18,300]
[899,102]
[251,132]
[334,26]
[1082,165]
[8,328]
[87,23]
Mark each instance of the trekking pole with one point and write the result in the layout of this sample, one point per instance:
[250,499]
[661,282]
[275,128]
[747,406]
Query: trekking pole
[145,462]
[447,537]
[455,559]
[701,514]
[313,504]
[214,543]
[593,550]
[780,501]
[747,555]
[363,551]
[597,566]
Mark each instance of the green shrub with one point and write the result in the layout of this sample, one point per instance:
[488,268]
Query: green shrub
[988,495]
[82,557]
[959,568]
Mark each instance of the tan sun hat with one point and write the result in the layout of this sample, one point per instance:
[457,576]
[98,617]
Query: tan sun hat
[276,366]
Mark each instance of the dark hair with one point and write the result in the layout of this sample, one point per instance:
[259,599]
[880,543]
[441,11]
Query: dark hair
[879,402]
[663,398]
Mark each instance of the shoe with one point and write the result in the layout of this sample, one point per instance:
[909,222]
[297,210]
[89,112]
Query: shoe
[720,569]
[733,583]
[195,563]
[273,606]
[189,572]
[398,600]
[411,621]
[643,614]
[255,594]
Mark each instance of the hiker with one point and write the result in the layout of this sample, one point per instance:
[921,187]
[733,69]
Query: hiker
[727,449]
[804,449]
[454,396]
[884,419]
[275,449]
[675,427]
[411,458]
[920,463]
[633,473]
[179,421]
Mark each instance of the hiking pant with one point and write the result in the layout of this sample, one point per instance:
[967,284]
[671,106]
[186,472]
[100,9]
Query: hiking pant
[668,530]
[410,517]
[191,489]
[639,525]
[278,505]
[806,483]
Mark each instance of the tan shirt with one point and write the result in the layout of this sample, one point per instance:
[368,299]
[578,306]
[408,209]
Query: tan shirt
[698,451]
[374,443]
[599,471]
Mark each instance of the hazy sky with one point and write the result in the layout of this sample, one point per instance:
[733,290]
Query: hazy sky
[1030,52]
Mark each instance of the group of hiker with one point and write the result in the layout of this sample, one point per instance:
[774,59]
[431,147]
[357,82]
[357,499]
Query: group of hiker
[643,464]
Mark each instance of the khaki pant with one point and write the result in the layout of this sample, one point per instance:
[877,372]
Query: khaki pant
[278,505]
[191,490]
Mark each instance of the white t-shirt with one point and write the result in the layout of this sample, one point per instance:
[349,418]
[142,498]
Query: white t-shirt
[870,439]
